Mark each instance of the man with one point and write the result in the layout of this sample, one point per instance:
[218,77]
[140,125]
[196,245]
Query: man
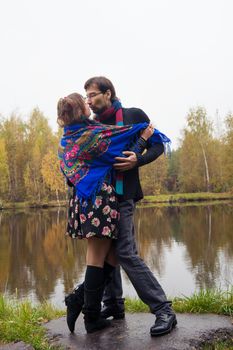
[101,98]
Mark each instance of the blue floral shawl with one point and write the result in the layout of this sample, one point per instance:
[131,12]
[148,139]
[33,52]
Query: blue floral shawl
[87,152]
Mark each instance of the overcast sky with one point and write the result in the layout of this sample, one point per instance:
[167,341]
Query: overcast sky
[164,56]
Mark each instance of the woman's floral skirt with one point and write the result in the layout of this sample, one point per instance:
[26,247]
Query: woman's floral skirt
[99,219]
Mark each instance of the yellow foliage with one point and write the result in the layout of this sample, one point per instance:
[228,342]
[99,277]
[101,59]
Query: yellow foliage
[51,173]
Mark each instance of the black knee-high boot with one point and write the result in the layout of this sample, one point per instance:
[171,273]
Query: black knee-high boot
[93,293]
[75,300]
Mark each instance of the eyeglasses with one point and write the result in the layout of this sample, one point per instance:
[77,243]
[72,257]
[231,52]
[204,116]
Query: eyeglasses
[92,95]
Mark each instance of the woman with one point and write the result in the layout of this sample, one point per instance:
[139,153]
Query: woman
[87,154]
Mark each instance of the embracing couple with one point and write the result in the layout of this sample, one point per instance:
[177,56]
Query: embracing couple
[100,159]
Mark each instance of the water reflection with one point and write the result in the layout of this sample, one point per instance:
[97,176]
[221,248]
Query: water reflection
[204,233]
[187,248]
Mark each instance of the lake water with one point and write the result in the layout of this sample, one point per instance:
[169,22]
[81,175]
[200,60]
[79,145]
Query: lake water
[187,248]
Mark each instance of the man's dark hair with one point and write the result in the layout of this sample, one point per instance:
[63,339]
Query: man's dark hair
[103,84]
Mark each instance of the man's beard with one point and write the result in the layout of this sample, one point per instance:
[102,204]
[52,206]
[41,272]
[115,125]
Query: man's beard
[99,110]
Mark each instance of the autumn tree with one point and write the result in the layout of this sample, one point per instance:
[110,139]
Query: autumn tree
[51,173]
[153,176]
[13,131]
[194,162]
[227,152]
[172,181]
[39,142]
[4,171]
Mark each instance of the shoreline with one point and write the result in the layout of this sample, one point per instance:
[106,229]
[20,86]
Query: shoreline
[163,199]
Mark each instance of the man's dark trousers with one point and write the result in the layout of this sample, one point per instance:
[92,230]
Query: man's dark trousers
[144,282]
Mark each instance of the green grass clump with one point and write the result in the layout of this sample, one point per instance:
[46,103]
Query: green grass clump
[213,301]
[221,345]
[20,321]
[205,301]
[135,305]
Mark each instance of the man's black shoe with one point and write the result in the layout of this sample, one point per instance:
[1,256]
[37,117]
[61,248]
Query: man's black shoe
[164,323]
[115,310]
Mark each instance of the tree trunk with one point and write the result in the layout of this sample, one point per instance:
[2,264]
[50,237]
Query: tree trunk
[209,225]
[57,195]
[66,190]
[206,169]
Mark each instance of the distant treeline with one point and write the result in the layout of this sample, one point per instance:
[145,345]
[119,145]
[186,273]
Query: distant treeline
[29,168]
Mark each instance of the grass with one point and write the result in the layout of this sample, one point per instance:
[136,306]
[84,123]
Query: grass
[186,197]
[22,321]
[205,301]
[221,345]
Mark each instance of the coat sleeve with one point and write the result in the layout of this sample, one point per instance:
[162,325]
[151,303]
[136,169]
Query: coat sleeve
[152,151]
